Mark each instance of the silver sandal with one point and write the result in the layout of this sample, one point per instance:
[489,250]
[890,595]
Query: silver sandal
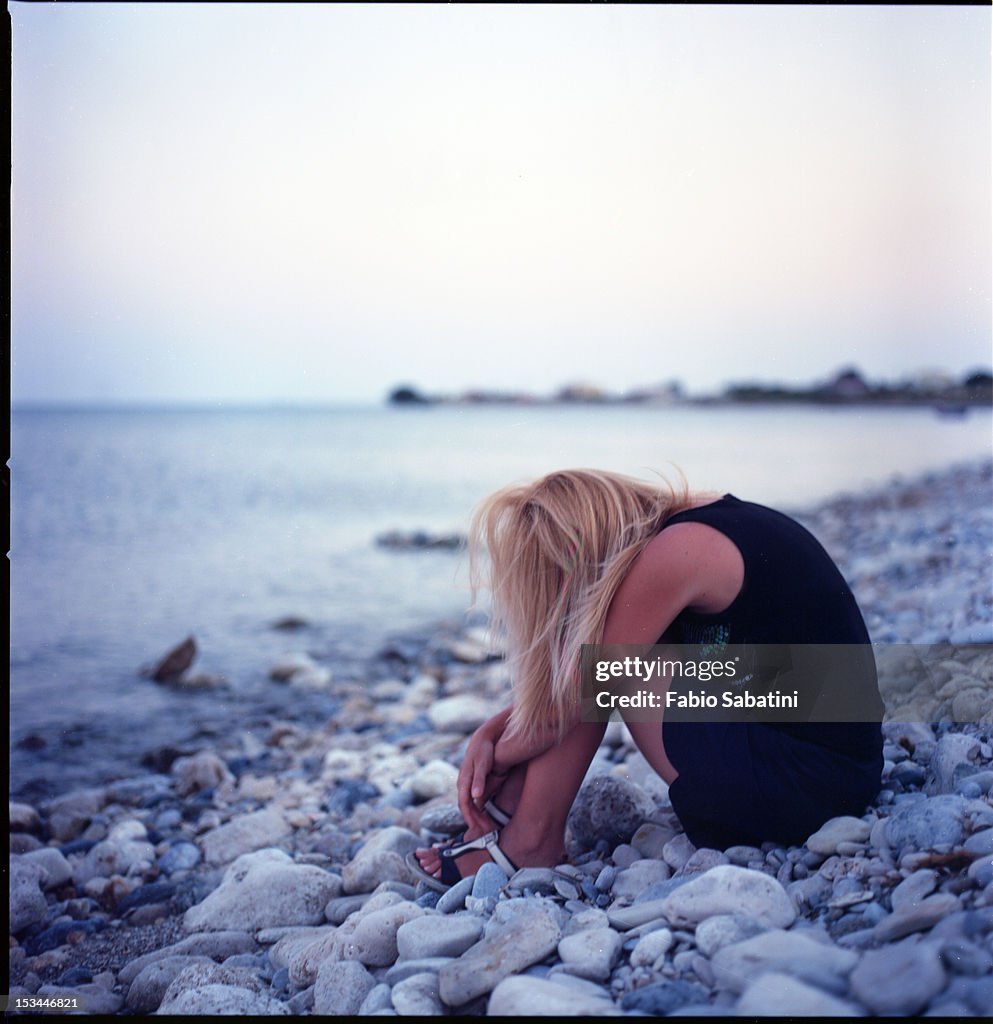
[450,853]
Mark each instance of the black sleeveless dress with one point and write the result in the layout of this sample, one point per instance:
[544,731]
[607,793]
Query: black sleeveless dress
[753,781]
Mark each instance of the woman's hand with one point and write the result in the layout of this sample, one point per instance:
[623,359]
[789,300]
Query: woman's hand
[478,779]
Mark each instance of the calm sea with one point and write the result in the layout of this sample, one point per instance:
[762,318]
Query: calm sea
[133,529]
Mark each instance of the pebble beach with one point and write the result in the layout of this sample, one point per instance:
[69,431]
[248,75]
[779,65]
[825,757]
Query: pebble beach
[262,872]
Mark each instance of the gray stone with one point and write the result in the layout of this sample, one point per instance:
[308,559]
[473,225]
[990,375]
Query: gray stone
[417,996]
[23,818]
[446,819]
[722,930]
[652,948]
[378,999]
[149,986]
[245,834]
[124,849]
[204,770]
[95,998]
[590,953]
[775,994]
[305,958]
[702,860]
[373,940]
[341,988]
[962,957]
[438,935]
[650,839]
[928,824]
[626,918]
[489,880]
[69,814]
[822,964]
[454,899]
[898,979]
[434,779]
[980,844]
[914,888]
[664,998]
[523,940]
[915,917]
[525,996]
[632,881]
[216,945]
[607,808]
[952,750]
[462,713]
[730,889]
[223,1000]
[838,830]
[408,968]
[678,851]
[381,857]
[981,871]
[179,857]
[57,870]
[27,901]
[264,889]
[205,972]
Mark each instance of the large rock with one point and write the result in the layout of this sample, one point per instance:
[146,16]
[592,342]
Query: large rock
[265,889]
[223,1000]
[341,988]
[538,997]
[776,994]
[27,901]
[146,991]
[932,824]
[729,889]
[820,963]
[608,808]
[915,917]
[952,758]
[438,935]
[381,858]
[899,979]
[216,945]
[56,869]
[590,953]
[526,938]
[305,957]
[250,832]
[374,939]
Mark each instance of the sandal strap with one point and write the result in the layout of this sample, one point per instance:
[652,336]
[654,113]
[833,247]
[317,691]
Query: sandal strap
[498,814]
[487,842]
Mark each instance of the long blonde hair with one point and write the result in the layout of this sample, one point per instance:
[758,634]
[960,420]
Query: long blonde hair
[558,549]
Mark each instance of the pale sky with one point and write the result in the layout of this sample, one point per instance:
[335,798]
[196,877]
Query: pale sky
[257,202]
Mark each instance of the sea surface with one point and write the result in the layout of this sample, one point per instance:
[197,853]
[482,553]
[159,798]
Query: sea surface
[132,529]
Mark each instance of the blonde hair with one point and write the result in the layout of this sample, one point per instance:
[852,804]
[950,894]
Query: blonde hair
[558,549]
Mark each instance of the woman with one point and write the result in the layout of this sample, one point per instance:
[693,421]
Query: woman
[590,557]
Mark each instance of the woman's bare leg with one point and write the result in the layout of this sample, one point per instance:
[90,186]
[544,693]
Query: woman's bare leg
[546,789]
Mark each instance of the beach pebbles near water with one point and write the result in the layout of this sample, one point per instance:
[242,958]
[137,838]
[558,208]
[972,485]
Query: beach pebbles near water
[267,876]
